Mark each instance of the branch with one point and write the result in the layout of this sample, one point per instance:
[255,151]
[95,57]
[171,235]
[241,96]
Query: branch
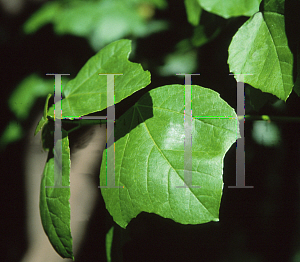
[271,118]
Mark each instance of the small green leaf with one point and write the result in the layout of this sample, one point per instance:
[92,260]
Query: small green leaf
[86,93]
[24,96]
[54,202]
[43,16]
[266,133]
[149,157]
[40,125]
[44,119]
[231,8]
[13,132]
[202,37]
[48,135]
[108,243]
[260,47]
[193,11]
[179,62]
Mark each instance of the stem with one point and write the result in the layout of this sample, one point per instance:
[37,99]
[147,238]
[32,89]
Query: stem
[271,118]
[84,122]
[73,129]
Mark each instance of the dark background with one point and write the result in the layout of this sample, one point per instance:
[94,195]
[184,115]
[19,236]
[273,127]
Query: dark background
[259,224]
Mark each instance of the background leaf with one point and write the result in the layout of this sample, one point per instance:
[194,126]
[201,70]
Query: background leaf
[149,158]
[86,93]
[210,27]
[256,99]
[108,243]
[184,59]
[54,202]
[193,11]
[13,132]
[260,47]
[26,93]
[101,22]
[230,8]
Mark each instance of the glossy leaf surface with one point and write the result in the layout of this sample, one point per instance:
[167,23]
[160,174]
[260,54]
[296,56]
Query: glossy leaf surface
[149,157]
[230,8]
[87,92]
[260,47]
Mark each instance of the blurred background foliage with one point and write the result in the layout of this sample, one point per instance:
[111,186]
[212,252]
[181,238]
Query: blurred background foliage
[102,22]
[169,37]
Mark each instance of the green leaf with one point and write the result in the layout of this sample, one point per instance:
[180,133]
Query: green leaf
[13,132]
[54,202]
[260,47]
[108,243]
[183,59]
[296,86]
[266,133]
[43,16]
[257,99]
[161,4]
[231,8]
[48,135]
[149,157]
[276,6]
[203,34]
[193,11]
[44,119]
[86,93]
[24,96]
[101,22]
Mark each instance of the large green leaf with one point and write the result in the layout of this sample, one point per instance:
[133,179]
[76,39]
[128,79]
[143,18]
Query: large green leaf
[54,202]
[149,157]
[87,92]
[260,47]
[230,8]
[276,6]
